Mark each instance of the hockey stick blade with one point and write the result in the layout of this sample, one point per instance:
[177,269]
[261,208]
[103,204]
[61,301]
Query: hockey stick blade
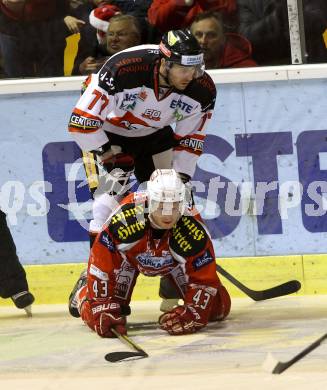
[272,365]
[114,357]
[286,288]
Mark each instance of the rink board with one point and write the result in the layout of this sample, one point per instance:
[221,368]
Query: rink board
[261,132]
[52,283]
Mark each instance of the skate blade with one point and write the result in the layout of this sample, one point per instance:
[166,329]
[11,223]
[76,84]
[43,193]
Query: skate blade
[28,310]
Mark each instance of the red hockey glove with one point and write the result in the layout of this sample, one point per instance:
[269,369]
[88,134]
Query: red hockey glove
[181,320]
[106,316]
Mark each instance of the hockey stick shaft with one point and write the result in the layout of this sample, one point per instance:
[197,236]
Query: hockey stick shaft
[283,289]
[282,366]
[126,340]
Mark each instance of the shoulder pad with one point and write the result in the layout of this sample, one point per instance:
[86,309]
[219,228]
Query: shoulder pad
[188,237]
[203,90]
[129,223]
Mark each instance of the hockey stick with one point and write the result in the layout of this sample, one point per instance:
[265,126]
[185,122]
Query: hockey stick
[272,365]
[283,289]
[114,357]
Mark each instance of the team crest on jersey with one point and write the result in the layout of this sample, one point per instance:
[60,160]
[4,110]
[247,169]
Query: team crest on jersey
[203,260]
[188,237]
[128,223]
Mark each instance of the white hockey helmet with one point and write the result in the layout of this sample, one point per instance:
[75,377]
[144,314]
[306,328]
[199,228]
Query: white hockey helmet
[166,186]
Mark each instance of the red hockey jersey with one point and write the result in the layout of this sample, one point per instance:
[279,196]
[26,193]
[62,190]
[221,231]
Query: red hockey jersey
[129,246]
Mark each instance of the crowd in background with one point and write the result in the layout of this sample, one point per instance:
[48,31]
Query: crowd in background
[232,33]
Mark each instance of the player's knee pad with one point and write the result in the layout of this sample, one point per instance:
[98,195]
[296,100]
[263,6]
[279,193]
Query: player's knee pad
[221,305]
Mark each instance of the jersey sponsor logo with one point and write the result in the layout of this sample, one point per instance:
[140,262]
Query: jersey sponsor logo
[203,260]
[95,271]
[178,115]
[130,126]
[188,237]
[181,240]
[192,143]
[148,260]
[106,241]
[128,225]
[129,101]
[130,231]
[107,80]
[195,230]
[124,280]
[129,97]
[181,105]
[153,51]
[126,61]
[134,69]
[104,307]
[83,122]
[126,106]
[125,213]
[152,114]
[142,95]
[180,278]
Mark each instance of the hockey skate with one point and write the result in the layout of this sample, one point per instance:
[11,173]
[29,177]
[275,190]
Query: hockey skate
[24,300]
[73,303]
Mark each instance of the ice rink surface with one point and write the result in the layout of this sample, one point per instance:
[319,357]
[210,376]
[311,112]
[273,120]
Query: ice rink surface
[53,351]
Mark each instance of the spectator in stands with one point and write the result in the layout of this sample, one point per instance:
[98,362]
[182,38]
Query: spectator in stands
[33,36]
[13,282]
[92,48]
[138,8]
[221,49]
[315,25]
[265,24]
[168,15]
[124,31]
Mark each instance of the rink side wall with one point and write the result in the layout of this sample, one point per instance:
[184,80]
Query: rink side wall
[260,183]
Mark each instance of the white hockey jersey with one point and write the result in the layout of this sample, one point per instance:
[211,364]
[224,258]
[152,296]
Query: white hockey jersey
[123,98]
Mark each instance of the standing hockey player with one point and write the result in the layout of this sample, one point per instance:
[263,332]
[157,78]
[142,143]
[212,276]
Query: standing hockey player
[156,234]
[13,282]
[125,114]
